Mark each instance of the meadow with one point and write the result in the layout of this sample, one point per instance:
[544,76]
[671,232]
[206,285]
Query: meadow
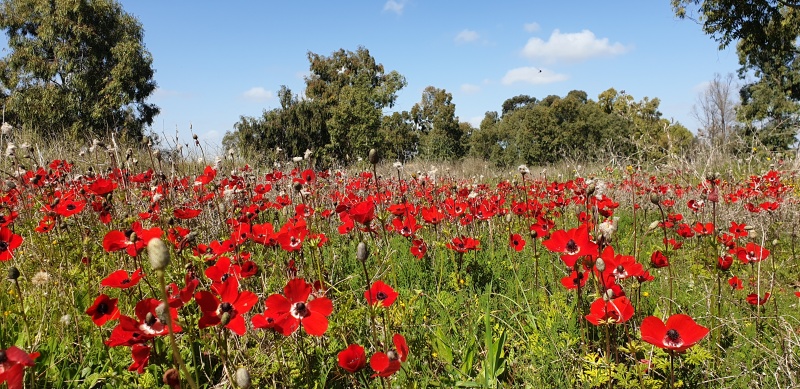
[137,268]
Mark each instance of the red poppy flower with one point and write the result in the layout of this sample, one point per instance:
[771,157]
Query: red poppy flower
[120,279]
[516,242]
[464,244]
[751,253]
[141,356]
[618,310]
[572,244]
[103,310]
[386,364]
[13,361]
[149,324]
[753,299]
[407,226]
[797,294]
[658,259]
[736,283]
[620,266]
[184,213]
[738,230]
[102,186]
[287,312]
[704,229]
[8,242]
[678,334]
[132,241]
[380,294]
[208,175]
[363,212]
[418,248]
[432,215]
[231,303]
[69,207]
[352,358]
[724,262]
[574,280]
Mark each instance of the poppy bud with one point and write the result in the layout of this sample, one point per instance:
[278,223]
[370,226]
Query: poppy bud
[374,157]
[13,273]
[225,318]
[172,378]
[590,189]
[362,252]
[298,186]
[533,234]
[158,253]
[600,264]
[243,378]
[655,198]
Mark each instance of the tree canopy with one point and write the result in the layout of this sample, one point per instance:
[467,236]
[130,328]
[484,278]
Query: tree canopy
[75,65]
[766,34]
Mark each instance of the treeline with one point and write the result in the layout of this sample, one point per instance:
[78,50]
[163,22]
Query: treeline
[341,117]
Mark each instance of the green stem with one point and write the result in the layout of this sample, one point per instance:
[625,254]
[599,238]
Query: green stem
[176,355]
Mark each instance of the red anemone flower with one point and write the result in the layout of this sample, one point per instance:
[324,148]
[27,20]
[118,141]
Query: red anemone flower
[516,242]
[231,303]
[103,310]
[572,244]
[678,334]
[363,212]
[620,266]
[751,253]
[380,294]
[618,310]
[658,259]
[352,358]
[736,283]
[418,248]
[287,312]
[574,280]
[120,279]
[8,242]
[141,357]
[386,364]
[724,262]
[463,244]
[753,299]
[13,361]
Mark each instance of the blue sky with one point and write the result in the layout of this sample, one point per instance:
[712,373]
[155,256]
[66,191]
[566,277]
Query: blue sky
[215,63]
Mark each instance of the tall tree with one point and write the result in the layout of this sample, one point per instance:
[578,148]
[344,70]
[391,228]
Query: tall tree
[75,65]
[353,89]
[435,117]
[766,33]
[716,110]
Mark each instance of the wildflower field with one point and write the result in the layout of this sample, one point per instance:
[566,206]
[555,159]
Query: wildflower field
[167,273]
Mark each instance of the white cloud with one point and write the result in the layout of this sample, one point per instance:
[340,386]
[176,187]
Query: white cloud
[394,6]
[571,47]
[533,76]
[258,94]
[470,88]
[466,36]
[532,27]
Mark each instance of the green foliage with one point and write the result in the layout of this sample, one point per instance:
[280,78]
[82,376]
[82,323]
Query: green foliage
[765,33]
[76,67]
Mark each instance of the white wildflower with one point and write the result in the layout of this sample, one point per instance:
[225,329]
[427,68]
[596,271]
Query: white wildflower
[523,169]
[40,278]
[6,128]
[297,159]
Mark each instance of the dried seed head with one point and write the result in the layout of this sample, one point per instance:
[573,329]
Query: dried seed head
[172,378]
[243,378]
[600,264]
[362,252]
[158,253]
[655,198]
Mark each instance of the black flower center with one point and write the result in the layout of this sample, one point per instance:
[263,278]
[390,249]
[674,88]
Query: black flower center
[3,357]
[224,277]
[299,310]
[673,335]
[393,355]
[620,269]
[381,295]
[150,319]
[572,247]
[102,308]
[226,307]
[3,246]
[71,207]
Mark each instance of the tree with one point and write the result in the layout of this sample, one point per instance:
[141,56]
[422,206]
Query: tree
[766,33]
[716,110]
[75,65]
[435,117]
[352,89]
